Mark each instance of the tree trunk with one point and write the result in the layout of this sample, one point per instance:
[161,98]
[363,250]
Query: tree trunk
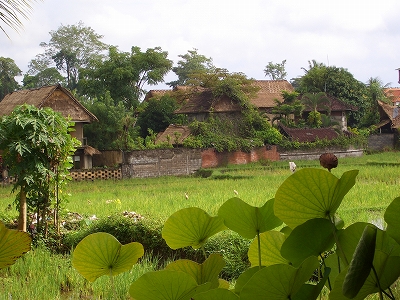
[22,210]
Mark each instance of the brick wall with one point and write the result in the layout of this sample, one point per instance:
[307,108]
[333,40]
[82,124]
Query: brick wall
[155,163]
[211,158]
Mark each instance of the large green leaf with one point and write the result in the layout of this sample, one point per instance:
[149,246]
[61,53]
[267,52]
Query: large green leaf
[13,244]
[216,294]
[312,291]
[101,254]
[270,244]
[311,238]
[349,237]
[248,220]
[392,219]
[190,227]
[166,285]
[361,262]
[278,282]
[311,193]
[244,278]
[202,273]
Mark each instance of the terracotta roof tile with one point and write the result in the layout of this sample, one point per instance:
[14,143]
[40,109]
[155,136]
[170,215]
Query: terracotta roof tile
[171,131]
[309,134]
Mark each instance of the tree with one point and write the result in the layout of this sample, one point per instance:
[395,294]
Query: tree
[337,82]
[37,147]
[157,115]
[124,74]
[70,48]
[108,132]
[8,71]
[315,102]
[11,12]
[291,105]
[276,71]
[375,91]
[49,76]
[191,62]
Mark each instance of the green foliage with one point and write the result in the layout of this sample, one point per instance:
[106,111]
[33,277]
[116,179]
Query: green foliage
[124,74]
[190,63]
[38,149]
[276,71]
[101,254]
[337,82]
[157,115]
[13,244]
[70,48]
[8,71]
[48,76]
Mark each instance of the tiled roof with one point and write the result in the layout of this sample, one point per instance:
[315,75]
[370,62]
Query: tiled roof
[393,94]
[309,134]
[171,131]
[269,91]
[202,100]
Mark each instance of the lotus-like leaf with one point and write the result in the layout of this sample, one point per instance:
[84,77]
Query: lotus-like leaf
[216,294]
[311,193]
[388,271]
[270,244]
[248,220]
[101,254]
[361,262]
[311,238]
[392,219]
[190,227]
[167,285]
[208,271]
[245,277]
[312,291]
[13,244]
[278,282]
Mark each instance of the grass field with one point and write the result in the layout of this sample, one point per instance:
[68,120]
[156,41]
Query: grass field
[157,198]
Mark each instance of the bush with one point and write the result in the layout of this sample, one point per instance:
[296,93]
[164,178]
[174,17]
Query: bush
[148,232]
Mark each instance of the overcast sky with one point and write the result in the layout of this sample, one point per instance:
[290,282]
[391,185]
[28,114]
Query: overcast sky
[241,36]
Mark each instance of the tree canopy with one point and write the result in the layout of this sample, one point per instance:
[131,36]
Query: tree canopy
[37,147]
[70,48]
[276,71]
[191,62]
[8,71]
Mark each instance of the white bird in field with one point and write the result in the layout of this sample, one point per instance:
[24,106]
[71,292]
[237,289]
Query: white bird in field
[236,192]
[186,196]
[292,166]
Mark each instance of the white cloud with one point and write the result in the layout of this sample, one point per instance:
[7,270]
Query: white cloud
[239,35]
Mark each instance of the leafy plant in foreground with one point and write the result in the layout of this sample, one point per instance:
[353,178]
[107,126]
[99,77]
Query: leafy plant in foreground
[310,253]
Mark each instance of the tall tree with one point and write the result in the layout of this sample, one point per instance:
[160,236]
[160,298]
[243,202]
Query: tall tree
[37,148]
[375,91]
[124,74]
[191,62]
[337,82]
[8,71]
[11,12]
[276,71]
[70,48]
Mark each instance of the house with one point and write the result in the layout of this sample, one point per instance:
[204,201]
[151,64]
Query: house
[393,94]
[200,103]
[389,117]
[60,100]
[337,111]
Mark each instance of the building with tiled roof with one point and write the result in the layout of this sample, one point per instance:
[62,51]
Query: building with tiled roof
[393,94]
[308,134]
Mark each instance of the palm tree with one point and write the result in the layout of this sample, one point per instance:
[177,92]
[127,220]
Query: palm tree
[315,101]
[12,10]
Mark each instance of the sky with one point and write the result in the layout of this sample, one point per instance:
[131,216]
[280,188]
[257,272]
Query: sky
[241,36]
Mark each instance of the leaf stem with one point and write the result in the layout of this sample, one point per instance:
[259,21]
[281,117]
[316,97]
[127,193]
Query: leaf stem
[332,219]
[259,249]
